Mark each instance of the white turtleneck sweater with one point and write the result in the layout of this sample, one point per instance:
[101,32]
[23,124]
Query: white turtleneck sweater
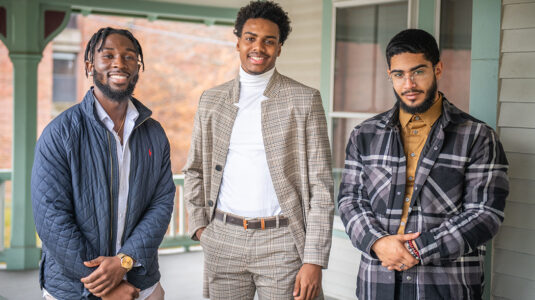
[247,189]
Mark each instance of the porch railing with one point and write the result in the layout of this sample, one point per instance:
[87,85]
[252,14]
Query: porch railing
[5,175]
[177,235]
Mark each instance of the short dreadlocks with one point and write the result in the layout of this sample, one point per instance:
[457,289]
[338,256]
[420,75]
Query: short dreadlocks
[268,10]
[101,35]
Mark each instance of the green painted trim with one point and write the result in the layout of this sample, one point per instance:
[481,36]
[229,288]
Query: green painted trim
[66,9]
[7,5]
[22,254]
[5,175]
[178,241]
[326,55]
[484,89]
[340,234]
[426,15]
[484,81]
[151,9]
[178,179]
[24,258]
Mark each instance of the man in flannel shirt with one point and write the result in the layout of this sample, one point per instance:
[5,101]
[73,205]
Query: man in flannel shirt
[424,186]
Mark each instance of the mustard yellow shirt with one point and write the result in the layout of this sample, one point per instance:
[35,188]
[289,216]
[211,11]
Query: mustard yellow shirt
[415,129]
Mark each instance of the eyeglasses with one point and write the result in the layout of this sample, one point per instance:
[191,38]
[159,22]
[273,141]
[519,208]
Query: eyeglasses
[416,76]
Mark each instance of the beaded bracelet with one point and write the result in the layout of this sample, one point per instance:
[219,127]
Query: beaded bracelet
[414,252]
[411,251]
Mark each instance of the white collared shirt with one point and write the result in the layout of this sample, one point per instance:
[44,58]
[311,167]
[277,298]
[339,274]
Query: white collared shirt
[246,188]
[123,160]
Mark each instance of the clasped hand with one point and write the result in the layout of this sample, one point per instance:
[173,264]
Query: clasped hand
[392,252]
[106,277]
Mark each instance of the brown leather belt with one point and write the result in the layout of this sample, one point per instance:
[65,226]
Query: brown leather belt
[257,223]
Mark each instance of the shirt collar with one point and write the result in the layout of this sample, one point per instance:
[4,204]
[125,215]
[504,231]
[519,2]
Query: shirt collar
[131,113]
[429,116]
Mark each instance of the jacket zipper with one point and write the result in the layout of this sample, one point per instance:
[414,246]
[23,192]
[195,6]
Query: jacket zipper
[111,195]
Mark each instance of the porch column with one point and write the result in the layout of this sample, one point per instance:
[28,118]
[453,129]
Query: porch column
[30,26]
[23,252]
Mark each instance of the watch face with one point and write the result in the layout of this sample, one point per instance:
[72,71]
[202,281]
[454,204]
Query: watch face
[126,262]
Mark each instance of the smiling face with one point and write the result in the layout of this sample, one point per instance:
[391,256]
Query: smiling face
[259,46]
[414,79]
[115,68]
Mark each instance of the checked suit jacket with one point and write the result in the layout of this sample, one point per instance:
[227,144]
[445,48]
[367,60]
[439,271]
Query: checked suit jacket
[297,148]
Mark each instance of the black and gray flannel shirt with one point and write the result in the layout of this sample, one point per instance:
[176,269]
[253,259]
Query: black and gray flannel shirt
[458,201]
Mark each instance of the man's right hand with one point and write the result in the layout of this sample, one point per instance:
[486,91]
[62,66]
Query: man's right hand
[124,291]
[198,233]
[392,252]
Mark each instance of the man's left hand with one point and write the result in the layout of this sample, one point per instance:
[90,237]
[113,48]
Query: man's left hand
[307,282]
[106,277]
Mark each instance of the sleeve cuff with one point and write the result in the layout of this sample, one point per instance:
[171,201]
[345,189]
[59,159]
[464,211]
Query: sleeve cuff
[372,238]
[428,248]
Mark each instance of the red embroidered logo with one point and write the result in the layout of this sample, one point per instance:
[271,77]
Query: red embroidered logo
[150,153]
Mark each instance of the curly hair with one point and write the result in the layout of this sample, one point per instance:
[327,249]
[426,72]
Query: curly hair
[101,35]
[268,10]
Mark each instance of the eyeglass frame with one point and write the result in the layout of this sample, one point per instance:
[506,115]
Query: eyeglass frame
[412,72]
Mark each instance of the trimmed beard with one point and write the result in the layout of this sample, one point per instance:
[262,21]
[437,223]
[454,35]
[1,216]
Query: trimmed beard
[428,101]
[114,95]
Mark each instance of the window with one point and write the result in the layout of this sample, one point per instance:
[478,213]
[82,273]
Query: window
[455,47]
[64,77]
[361,88]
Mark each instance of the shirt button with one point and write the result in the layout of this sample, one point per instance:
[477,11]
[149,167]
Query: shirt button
[218,168]
[409,278]
[416,118]
[407,199]
[413,154]
[210,203]
[399,193]
[415,188]
[411,178]
[435,148]
[402,223]
[415,132]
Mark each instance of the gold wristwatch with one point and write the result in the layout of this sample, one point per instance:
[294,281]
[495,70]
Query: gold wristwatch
[126,261]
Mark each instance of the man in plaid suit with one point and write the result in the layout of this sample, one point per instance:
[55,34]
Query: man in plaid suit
[258,183]
[424,186]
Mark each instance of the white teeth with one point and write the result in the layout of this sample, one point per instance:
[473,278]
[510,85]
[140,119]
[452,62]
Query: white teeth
[118,76]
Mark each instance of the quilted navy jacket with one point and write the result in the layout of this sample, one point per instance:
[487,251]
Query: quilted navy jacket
[75,184]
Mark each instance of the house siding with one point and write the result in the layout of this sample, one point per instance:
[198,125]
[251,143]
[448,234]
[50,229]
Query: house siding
[514,246]
[301,54]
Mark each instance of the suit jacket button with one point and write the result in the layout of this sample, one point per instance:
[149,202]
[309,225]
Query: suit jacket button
[218,168]
[210,203]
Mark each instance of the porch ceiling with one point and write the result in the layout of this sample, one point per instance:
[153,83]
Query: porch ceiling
[207,11]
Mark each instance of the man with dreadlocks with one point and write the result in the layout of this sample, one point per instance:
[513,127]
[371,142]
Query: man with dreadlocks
[102,187]
[258,181]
